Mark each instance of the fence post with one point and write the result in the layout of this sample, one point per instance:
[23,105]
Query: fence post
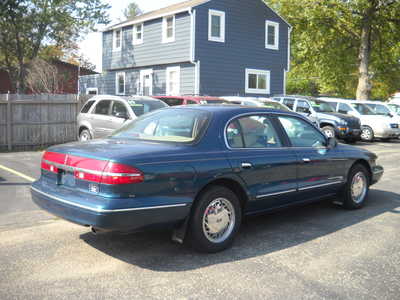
[9,139]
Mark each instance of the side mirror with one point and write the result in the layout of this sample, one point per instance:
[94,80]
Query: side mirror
[122,115]
[332,143]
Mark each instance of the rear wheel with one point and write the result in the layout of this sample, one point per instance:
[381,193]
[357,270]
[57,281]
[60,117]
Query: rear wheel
[367,134]
[356,189]
[215,220]
[85,135]
[329,131]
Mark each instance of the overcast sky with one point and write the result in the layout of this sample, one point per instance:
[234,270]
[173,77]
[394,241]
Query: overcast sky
[91,46]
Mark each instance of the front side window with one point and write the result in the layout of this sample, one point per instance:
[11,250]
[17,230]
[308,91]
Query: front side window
[103,107]
[395,108]
[363,109]
[344,108]
[301,133]
[216,26]
[120,83]
[257,81]
[119,110]
[173,80]
[303,107]
[169,29]
[117,34]
[252,132]
[137,34]
[379,109]
[271,35]
[172,125]
[141,107]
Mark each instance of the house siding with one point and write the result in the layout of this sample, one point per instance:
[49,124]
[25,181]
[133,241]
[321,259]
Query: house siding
[106,82]
[152,51]
[223,65]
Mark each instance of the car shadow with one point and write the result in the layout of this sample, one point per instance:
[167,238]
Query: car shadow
[258,235]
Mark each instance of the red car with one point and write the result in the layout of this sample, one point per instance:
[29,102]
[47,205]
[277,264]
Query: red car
[186,100]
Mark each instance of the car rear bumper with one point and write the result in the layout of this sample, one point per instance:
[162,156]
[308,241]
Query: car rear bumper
[108,219]
[377,173]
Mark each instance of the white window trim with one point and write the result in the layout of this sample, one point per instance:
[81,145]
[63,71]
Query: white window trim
[136,41]
[165,39]
[167,81]
[276,26]
[258,72]
[117,84]
[115,48]
[88,90]
[221,14]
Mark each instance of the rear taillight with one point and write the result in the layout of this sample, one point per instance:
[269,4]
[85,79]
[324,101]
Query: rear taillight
[93,170]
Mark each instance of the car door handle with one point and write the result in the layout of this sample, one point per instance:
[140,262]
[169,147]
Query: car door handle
[306,160]
[246,165]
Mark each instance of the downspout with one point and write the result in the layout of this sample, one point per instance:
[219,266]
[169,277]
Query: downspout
[288,61]
[193,61]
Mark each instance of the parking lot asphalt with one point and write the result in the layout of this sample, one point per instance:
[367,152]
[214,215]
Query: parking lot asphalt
[312,252]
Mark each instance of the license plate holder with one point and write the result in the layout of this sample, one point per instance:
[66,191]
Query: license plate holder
[67,178]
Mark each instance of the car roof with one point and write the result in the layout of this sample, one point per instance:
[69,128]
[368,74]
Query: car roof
[195,98]
[123,98]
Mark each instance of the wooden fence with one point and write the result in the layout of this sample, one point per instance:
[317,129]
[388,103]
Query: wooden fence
[29,122]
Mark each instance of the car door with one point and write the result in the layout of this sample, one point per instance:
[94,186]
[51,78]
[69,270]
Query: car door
[119,115]
[321,170]
[260,157]
[101,119]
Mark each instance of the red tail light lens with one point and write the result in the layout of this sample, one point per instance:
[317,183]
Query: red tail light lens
[93,170]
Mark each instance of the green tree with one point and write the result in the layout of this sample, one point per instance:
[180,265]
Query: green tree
[28,26]
[132,10]
[351,46]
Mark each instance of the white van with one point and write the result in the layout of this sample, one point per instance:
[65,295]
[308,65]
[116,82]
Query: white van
[372,125]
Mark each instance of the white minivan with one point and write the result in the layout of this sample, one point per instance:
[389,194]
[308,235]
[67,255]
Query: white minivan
[373,125]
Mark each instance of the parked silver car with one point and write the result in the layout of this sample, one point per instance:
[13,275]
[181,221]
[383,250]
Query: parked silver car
[103,114]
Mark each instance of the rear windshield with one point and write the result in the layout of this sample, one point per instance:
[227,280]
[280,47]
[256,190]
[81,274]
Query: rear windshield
[275,105]
[363,109]
[141,107]
[320,106]
[169,125]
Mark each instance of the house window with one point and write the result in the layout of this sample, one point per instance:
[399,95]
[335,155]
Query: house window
[173,80]
[216,26]
[117,39]
[137,34]
[257,81]
[271,35]
[120,83]
[168,29]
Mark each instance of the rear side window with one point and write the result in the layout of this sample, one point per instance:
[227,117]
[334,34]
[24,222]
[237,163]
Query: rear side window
[173,101]
[87,107]
[289,102]
[252,132]
[103,107]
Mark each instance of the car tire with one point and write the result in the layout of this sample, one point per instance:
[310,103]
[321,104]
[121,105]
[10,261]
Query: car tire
[85,136]
[329,131]
[355,192]
[215,220]
[367,134]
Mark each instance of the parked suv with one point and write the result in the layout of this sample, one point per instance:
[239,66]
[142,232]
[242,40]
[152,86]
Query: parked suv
[187,100]
[372,125]
[321,113]
[103,114]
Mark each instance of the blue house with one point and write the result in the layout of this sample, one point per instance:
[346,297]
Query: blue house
[197,47]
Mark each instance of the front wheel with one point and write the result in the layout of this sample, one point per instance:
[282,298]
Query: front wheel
[356,189]
[85,135]
[215,220]
[367,134]
[329,131]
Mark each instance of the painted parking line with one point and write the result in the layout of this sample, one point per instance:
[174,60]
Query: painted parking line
[17,173]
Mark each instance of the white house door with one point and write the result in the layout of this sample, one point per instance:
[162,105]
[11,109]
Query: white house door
[146,82]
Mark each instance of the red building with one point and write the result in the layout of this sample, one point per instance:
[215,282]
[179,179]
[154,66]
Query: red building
[68,78]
